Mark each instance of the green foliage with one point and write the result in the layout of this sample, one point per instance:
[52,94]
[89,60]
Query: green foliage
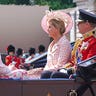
[40,2]
[53,4]
[7,1]
[22,2]
[17,2]
[56,4]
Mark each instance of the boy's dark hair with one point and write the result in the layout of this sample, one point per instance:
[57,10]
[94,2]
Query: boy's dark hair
[32,51]
[41,48]
[11,48]
[19,52]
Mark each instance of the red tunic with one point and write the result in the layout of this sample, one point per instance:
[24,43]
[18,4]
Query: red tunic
[9,59]
[87,48]
[19,61]
[83,49]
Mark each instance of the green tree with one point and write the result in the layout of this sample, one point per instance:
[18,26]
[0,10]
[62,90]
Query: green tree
[22,2]
[56,4]
[7,1]
[17,2]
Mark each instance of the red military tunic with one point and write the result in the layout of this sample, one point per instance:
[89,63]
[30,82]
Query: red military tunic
[9,59]
[83,49]
[19,61]
[87,48]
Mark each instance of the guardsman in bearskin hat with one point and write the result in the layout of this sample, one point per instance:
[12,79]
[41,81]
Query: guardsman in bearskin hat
[20,60]
[11,58]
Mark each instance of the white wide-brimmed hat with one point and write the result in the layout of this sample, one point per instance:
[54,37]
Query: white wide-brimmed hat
[57,15]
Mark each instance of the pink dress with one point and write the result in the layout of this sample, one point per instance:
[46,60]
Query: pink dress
[58,54]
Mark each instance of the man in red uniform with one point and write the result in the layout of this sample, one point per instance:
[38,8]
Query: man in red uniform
[10,58]
[85,47]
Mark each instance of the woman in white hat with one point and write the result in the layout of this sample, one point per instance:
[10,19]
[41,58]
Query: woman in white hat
[57,24]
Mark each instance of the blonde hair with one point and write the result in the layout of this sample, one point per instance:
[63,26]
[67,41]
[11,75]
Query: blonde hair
[58,24]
